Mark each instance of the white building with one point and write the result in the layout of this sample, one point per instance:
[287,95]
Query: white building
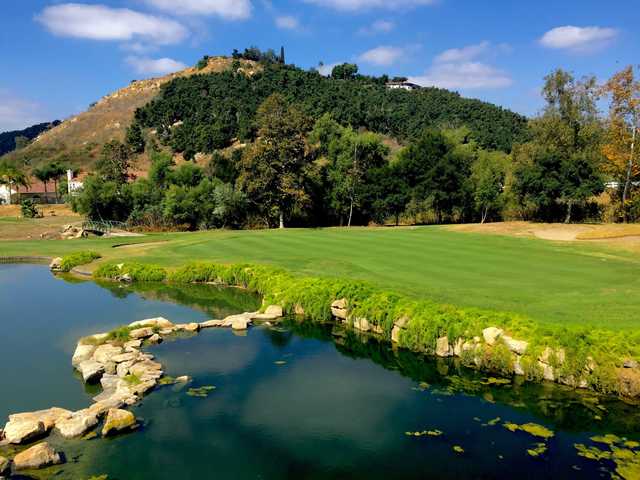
[402,86]
[5,194]
[73,186]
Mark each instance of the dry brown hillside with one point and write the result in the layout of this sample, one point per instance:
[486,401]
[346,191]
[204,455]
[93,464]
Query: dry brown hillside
[77,140]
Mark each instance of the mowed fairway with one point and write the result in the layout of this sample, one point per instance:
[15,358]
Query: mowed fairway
[551,282]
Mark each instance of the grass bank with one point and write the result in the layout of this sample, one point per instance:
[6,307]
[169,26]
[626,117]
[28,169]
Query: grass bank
[553,284]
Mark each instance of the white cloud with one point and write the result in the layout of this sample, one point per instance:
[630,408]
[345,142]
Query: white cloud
[326,70]
[382,56]
[99,22]
[578,39]
[360,5]
[463,68]
[287,22]
[154,66]
[227,9]
[379,26]
[17,113]
[464,54]
[464,76]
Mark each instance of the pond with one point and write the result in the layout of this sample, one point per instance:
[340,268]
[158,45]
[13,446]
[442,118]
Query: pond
[297,400]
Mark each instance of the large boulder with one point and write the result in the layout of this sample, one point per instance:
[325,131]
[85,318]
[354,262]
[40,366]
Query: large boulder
[238,322]
[491,335]
[77,424]
[38,456]
[516,346]
[212,324]
[118,421]
[272,312]
[140,333]
[159,322]
[56,264]
[443,349]
[82,354]
[48,417]
[188,327]
[395,334]
[339,309]
[91,370]
[105,353]
[17,432]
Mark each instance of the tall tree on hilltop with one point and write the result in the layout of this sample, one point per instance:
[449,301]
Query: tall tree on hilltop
[624,121]
[273,170]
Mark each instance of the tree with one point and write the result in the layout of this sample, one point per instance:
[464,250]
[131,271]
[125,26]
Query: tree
[355,156]
[624,121]
[273,170]
[488,174]
[135,138]
[12,176]
[561,164]
[113,164]
[44,175]
[345,71]
[56,170]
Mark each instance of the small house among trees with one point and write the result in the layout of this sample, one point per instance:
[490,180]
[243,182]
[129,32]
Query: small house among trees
[404,85]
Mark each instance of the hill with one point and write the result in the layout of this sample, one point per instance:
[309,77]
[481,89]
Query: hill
[77,140]
[215,104]
[8,139]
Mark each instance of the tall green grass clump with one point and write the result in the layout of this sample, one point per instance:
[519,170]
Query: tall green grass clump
[138,272]
[73,260]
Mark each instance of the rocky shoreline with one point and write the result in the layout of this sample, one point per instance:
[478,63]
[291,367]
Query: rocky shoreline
[117,362]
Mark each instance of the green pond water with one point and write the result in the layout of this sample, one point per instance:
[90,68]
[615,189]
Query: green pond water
[297,401]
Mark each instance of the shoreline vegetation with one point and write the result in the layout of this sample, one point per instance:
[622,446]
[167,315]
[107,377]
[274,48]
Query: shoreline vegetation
[497,342]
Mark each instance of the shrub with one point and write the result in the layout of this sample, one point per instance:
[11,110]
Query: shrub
[75,259]
[138,272]
[29,209]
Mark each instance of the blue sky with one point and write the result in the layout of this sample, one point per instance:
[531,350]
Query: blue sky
[58,57]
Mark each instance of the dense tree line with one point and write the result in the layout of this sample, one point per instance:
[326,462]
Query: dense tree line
[307,167]
[203,113]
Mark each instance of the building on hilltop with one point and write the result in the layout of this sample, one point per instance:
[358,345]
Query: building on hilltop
[403,86]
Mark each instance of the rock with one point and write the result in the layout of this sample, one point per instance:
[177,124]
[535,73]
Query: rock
[547,371]
[442,347]
[139,333]
[183,379]
[118,421]
[517,366]
[125,357]
[38,456]
[78,424]
[122,370]
[240,324]
[188,327]
[275,310]
[491,335]
[125,278]
[147,368]
[339,309]
[239,320]
[630,363]
[212,324]
[549,357]
[155,339]
[159,322]
[48,417]
[82,353]
[395,334]
[94,339]
[168,331]
[105,353]
[402,322]
[458,347]
[5,466]
[361,324]
[298,309]
[91,370]
[56,265]
[132,345]
[18,432]
[629,382]
[516,346]
[377,329]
